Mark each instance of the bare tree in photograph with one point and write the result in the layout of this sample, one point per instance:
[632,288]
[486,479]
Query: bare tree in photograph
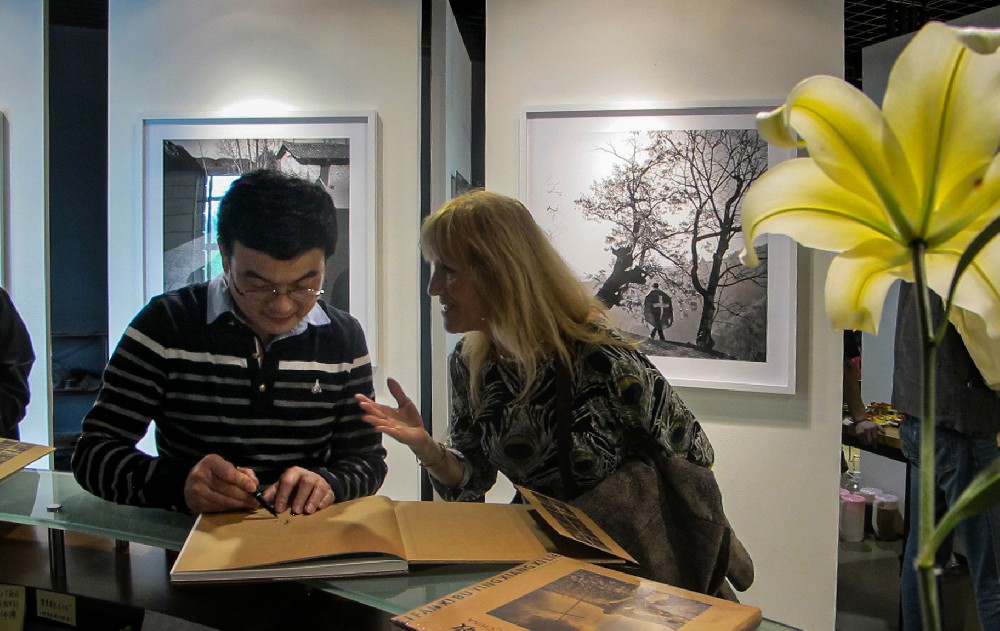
[248,154]
[673,200]
[708,176]
[633,200]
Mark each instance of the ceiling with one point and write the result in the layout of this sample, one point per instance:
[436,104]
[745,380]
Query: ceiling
[869,22]
[865,21]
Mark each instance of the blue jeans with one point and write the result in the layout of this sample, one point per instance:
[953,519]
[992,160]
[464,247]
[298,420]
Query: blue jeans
[958,458]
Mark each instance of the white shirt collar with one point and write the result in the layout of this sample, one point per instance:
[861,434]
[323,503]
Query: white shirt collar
[220,302]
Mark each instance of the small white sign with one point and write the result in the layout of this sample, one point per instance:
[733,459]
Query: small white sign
[56,607]
[12,605]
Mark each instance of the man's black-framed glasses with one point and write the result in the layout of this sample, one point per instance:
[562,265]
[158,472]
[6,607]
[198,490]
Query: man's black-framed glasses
[301,295]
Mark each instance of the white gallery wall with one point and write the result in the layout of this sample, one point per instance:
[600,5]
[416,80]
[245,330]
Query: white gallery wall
[23,192]
[190,58]
[776,455]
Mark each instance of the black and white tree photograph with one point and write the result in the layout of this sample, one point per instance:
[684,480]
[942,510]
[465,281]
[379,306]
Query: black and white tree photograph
[647,211]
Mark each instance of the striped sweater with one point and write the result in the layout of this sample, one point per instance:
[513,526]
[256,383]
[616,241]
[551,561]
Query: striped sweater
[196,374]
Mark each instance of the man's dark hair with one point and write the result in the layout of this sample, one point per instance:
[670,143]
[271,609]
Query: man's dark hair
[277,214]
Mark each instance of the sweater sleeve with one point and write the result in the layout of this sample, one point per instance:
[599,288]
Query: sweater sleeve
[106,461]
[356,463]
[465,440]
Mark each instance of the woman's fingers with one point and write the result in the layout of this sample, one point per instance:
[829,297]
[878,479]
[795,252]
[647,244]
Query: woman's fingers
[397,392]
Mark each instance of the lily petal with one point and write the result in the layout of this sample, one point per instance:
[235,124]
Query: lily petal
[858,281]
[850,140]
[984,349]
[797,199]
[952,136]
[980,39]
[773,127]
[971,209]
[979,288]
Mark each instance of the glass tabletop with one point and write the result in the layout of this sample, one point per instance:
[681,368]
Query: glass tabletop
[401,593]
[53,499]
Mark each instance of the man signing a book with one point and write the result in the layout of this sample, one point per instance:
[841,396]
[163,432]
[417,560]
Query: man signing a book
[250,378]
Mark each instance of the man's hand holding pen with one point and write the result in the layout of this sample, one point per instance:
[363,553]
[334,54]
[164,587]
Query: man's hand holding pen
[215,485]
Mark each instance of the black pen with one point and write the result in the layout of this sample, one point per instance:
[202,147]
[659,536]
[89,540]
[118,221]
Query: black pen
[267,505]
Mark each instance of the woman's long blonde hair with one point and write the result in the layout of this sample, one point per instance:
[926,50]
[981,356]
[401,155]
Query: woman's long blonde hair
[535,303]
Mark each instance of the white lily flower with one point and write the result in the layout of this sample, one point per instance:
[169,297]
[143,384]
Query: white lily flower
[922,170]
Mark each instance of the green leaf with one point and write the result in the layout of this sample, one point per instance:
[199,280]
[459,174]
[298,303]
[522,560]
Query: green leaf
[982,492]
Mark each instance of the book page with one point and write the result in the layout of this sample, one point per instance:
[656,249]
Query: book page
[15,455]
[464,532]
[220,541]
[571,522]
[557,592]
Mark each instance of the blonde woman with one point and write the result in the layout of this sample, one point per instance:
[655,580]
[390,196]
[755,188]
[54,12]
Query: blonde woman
[530,330]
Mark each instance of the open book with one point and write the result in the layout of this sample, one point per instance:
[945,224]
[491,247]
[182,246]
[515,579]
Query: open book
[15,455]
[554,592]
[377,535]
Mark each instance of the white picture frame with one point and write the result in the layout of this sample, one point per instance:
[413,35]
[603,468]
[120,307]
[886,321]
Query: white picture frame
[351,164]
[569,181]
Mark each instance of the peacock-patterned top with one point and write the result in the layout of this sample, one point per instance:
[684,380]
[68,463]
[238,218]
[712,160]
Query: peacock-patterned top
[618,399]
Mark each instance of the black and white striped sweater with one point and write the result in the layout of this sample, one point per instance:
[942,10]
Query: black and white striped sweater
[200,380]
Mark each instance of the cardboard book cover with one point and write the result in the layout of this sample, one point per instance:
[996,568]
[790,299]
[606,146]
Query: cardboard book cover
[16,455]
[377,535]
[556,592]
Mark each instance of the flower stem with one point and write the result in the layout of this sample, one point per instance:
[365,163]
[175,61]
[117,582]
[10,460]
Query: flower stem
[926,572]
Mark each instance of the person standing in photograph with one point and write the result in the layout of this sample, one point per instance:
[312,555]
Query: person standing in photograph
[859,424]
[658,310]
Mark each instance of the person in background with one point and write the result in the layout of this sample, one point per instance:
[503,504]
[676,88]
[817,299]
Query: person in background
[528,325]
[250,379]
[967,420]
[866,430]
[16,359]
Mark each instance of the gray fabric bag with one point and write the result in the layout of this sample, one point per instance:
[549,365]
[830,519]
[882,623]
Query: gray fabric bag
[668,515]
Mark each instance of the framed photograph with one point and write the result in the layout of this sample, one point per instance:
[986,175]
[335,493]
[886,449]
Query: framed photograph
[189,164]
[645,205]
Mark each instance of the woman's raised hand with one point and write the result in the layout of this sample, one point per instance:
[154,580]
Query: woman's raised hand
[403,423]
